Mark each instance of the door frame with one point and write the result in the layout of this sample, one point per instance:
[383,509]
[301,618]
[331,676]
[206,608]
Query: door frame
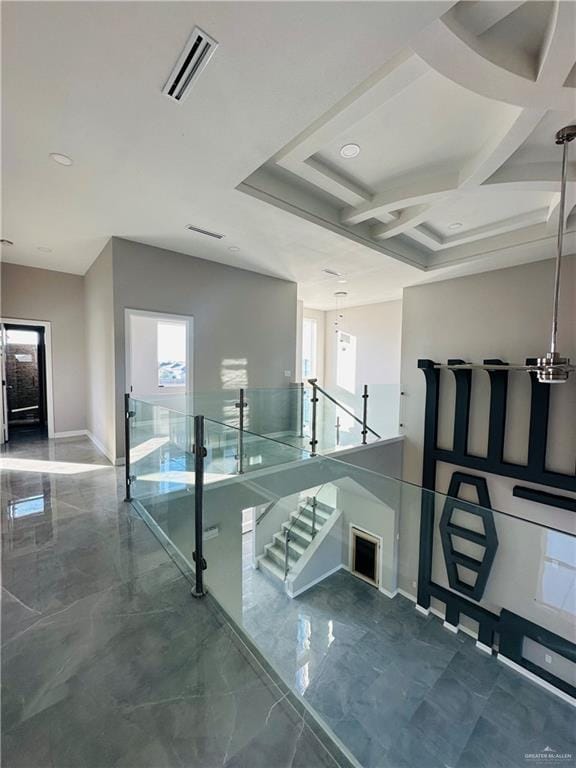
[47,325]
[379,541]
[128,312]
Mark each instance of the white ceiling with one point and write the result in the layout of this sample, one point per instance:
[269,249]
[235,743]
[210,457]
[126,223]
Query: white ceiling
[288,85]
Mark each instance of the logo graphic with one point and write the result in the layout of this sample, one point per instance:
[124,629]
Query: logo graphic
[551,756]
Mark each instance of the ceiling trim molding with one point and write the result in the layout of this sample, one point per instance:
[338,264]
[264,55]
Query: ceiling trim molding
[448,48]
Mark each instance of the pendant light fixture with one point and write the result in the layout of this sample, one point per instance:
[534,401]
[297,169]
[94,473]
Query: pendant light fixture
[553,368]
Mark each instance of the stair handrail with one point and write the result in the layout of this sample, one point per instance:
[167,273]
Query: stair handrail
[318,388]
[268,509]
[288,529]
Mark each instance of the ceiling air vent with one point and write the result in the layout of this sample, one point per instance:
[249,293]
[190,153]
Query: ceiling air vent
[194,57]
[207,232]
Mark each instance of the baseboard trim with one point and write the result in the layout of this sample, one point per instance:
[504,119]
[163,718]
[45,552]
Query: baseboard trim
[70,433]
[389,594]
[102,448]
[423,611]
[450,627]
[536,680]
[484,648]
[407,595]
[313,583]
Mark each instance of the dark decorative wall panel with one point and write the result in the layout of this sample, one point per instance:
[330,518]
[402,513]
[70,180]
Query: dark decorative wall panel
[463,596]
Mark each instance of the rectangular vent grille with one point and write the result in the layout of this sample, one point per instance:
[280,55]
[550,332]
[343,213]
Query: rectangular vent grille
[207,232]
[194,57]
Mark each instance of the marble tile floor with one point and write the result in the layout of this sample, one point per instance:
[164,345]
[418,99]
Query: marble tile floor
[398,689]
[107,662]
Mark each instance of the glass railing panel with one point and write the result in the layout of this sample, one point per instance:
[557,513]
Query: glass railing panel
[384,409]
[269,471]
[162,470]
[344,626]
[274,412]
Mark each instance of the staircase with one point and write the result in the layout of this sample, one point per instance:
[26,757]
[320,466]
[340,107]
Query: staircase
[300,528]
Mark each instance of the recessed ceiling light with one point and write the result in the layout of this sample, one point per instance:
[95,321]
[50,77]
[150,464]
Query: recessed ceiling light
[350,150]
[455,225]
[343,281]
[61,159]
[3,241]
[44,249]
[341,293]
[234,248]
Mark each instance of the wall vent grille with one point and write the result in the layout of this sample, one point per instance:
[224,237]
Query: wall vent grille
[207,232]
[196,54]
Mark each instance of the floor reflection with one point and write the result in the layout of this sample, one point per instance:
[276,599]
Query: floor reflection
[394,686]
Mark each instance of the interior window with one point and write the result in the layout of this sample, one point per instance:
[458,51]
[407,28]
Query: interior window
[172,353]
[309,348]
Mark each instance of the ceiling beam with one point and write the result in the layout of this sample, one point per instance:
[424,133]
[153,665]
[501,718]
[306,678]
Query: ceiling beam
[479,17]
[559,48]
[456,54]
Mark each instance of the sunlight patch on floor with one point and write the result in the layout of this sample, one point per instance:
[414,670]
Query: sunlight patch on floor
[48,467]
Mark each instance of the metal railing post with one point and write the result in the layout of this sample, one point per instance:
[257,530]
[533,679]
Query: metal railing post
[314,401]
[313,516]
[128,414]
[241,404]
[337,430]
[198,554]
[365,415]
[301,409]
[286,544]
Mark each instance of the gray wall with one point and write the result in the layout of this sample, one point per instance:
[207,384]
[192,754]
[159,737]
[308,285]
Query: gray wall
[501,314]
[58,297]
[100,352]
[244,322]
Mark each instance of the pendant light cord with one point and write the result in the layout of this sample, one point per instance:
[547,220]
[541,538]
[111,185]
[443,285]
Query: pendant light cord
[562,206]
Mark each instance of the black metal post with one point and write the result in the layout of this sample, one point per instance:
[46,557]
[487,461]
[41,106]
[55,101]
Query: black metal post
[301,409]
[365,414]
[198,554]
[127,416]
[286,555]
[313,516]
[314,400]
[241,404]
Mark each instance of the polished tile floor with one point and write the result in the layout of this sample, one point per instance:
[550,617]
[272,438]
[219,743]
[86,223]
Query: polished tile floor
[106,659]
[398,689]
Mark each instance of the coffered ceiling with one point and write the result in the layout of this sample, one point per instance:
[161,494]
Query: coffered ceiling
[456,141]
[454,107]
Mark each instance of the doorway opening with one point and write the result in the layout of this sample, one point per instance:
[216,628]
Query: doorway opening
[159,353]
[25,400]
[365,555]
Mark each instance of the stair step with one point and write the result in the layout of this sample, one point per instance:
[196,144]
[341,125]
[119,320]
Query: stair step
[302,535]
[276,553]
[322,506]
[294,546]
[322,513]
[303,518]
[270,569]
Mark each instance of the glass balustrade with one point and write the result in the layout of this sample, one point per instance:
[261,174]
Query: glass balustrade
[289,413]
[324,580]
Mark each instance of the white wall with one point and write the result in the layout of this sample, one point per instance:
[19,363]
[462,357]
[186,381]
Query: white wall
[378,330]
[99,309]
[502,314]
[56,297]
[244,322]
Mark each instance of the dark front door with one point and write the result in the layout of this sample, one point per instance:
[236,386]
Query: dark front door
[26,378]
